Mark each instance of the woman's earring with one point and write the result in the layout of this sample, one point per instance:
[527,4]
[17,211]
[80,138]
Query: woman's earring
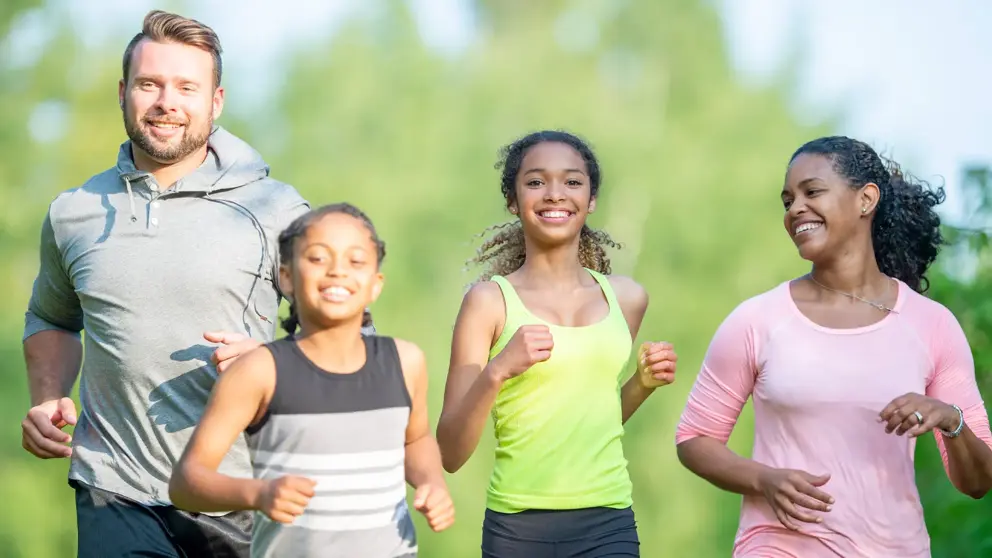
[864,210]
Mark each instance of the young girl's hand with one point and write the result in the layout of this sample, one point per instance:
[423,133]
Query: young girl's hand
[284,499]
[656,364]
[434,501]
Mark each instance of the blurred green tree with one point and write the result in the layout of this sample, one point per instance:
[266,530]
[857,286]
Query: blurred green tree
[693,163]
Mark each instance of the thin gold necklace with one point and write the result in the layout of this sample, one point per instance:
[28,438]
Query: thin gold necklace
[880,306]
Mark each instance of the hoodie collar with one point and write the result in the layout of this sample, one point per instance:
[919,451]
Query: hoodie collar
[230,163]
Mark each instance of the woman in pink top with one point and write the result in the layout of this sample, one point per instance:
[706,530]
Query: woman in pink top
[847,366]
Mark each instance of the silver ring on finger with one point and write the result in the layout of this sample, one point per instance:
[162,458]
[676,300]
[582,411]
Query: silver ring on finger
[919,417]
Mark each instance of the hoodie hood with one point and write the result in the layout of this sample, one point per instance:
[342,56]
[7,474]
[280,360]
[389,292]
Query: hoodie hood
[230,163]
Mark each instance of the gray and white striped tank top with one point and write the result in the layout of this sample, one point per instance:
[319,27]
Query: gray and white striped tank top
[347,432]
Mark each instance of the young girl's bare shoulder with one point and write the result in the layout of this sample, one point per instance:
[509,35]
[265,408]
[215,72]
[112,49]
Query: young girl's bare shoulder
[411,355]
[256,366]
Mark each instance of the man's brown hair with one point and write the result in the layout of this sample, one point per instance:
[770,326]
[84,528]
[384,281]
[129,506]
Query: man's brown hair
[164,27]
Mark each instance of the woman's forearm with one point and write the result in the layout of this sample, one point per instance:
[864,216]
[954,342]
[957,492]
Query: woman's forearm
[197,488]
[460,426]
[715,462]
[969,463]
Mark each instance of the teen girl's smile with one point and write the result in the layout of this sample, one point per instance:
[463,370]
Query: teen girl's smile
[555,216]
[553,189]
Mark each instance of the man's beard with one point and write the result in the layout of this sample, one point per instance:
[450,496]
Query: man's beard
[188,144]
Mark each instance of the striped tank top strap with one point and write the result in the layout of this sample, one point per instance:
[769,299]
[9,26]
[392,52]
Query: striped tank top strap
[284,355]
[385,356]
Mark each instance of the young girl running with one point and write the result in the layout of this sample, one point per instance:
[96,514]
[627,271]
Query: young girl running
[847,365]
[542,345]
[334,419]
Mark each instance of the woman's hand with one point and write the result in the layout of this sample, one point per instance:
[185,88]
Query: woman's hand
[916,414]
[792,494]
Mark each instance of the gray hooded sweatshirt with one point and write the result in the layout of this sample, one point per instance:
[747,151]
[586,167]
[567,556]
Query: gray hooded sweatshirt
[145,271]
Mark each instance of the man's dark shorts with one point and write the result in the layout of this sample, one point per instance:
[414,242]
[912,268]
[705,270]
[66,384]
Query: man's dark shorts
[111,526]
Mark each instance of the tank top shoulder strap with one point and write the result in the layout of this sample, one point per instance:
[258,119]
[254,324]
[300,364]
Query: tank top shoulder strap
[286,359]
[516,313]
[515,309]
[283,353]
[383,359]
[611,296]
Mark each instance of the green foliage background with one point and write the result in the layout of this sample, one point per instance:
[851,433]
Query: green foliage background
[693,161]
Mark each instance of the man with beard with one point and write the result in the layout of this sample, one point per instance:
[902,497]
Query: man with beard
[178,238]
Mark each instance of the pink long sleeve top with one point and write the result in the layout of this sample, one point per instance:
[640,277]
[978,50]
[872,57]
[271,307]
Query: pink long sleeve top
[817,395]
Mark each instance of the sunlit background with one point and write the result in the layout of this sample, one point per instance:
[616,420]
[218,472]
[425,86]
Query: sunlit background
[693,106]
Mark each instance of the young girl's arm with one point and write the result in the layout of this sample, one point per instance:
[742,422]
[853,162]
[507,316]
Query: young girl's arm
[656,367]
[423,458]
[473,382]
[239,398]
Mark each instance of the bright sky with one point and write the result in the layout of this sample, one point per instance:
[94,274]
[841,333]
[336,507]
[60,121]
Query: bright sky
[911,75]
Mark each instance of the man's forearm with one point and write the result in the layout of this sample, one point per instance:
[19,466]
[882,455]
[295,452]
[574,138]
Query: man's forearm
[53,358]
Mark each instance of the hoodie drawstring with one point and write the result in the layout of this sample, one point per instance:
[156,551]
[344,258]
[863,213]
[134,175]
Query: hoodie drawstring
[130,198]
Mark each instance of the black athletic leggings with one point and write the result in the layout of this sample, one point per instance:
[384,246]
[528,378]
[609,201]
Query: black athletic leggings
[585,533]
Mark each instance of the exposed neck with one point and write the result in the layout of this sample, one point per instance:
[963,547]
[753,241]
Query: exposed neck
[555,267]
[340,348]
[167,174]
[853,271]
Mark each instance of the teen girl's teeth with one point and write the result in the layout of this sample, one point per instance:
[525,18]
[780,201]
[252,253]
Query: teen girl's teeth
[555,215]
[336,294]
[807,227]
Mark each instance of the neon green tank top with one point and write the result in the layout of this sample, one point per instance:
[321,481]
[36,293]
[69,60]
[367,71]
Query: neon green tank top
[559,424]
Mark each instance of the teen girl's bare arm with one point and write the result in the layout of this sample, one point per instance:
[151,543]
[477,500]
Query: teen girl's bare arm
[655,364]
[472,383]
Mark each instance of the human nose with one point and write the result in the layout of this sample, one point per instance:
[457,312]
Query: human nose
[168,99]
[336,267]
[554,192]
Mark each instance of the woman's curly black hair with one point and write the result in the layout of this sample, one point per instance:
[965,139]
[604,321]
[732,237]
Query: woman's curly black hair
[503,252]
[299,226]
[905,229]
